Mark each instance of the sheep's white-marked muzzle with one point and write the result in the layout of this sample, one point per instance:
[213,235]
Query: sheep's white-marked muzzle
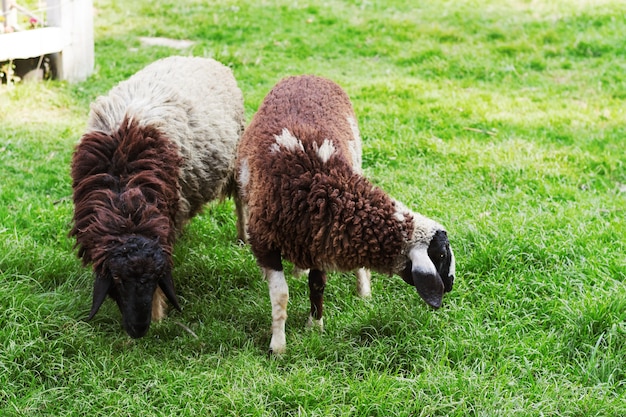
[425,277]
[431,269]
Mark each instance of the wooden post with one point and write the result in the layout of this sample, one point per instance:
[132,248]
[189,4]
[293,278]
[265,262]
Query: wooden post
[5,14]
[76,61]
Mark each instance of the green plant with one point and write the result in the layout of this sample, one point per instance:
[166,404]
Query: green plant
[7,73]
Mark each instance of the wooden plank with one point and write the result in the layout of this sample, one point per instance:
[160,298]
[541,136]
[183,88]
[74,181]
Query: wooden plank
[32,43]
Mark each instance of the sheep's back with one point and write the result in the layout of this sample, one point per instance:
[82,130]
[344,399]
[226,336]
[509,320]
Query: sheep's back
[312,109]
[293,191]
[196,104]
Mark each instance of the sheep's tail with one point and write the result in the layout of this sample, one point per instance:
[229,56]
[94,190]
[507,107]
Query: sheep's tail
[230,188]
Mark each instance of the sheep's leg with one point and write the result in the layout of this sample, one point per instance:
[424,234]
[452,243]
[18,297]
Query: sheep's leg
[317,284]
[299,272]
[158,305]
[241,209]
[363,282]
[279,296]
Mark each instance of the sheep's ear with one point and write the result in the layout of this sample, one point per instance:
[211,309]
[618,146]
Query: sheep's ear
[100,290]
[427,281]
[166,283]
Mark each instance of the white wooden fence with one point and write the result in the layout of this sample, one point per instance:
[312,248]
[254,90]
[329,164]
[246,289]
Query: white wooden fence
[68,36]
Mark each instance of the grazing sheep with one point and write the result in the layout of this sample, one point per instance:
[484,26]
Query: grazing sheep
[158,147]
[306,200]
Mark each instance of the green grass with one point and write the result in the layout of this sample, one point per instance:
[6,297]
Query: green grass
[505,121]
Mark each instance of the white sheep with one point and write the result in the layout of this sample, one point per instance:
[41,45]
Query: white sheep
[158,147]
[306,200]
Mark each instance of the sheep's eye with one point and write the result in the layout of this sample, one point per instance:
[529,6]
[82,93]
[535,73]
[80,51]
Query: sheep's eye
[443,255]
[117,280]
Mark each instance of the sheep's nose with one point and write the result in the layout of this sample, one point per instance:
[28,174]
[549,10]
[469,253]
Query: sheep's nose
[137,330]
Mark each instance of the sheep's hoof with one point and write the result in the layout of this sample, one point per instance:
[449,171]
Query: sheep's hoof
[276,353]
[278,346]
[315,324]
[298,272]
[364,294]
[363,283]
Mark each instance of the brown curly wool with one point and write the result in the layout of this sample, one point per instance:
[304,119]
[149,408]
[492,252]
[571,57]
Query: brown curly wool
[313,211]
[124,184]
[323,215]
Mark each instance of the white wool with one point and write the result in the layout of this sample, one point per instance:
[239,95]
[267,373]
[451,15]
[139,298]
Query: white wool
[287,141]
[355,145]
[325,151]
[244,175]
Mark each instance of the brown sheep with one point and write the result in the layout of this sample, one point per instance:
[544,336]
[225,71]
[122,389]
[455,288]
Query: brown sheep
[306,200]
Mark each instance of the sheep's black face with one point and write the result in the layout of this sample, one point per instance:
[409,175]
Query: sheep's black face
[431,270]
[133,272]
[440,254]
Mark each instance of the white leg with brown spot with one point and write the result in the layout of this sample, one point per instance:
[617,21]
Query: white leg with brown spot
[363,283]
[159,305]
[279,296]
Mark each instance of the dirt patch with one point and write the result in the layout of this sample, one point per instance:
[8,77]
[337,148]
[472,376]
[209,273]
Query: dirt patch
[170,43]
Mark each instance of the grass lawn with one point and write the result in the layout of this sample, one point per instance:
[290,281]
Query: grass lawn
[503,120]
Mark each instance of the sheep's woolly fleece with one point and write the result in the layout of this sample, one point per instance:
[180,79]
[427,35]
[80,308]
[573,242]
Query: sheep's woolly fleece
[158,146]
[301,179]
[188,107]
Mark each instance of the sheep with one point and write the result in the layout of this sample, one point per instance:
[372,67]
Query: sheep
[157,147]
[305,199]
